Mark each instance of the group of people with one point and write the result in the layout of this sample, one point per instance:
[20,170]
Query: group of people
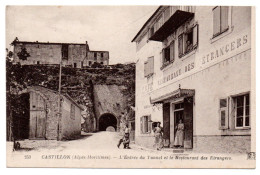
[179,136]
[158,134]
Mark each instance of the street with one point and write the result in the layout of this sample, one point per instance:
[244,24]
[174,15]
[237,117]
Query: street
[100,142]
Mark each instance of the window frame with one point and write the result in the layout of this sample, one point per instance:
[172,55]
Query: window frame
[234,98]
[142,125]
[221,31]
[181,38]
[171,56]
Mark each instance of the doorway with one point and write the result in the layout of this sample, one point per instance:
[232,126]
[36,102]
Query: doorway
[37,116]
[184,111]
[178,114]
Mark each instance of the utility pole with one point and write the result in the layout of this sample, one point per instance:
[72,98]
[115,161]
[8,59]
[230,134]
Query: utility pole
[59,104]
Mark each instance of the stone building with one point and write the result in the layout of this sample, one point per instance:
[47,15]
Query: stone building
[45,122]
[72,54]
[194,64]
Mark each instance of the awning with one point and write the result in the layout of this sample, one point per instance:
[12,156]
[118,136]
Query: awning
[175,95]
[176,20]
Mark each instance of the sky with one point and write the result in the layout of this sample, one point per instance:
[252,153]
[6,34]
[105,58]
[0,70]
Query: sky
[108,28]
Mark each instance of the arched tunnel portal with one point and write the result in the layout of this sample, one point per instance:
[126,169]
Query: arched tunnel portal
[107,121]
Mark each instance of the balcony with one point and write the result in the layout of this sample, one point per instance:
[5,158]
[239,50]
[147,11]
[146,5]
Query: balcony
[172,18]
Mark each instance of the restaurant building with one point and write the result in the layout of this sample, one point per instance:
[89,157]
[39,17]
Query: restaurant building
[194,64]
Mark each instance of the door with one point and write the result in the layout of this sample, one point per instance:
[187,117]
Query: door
[166,124]
[188,122]
[37,116]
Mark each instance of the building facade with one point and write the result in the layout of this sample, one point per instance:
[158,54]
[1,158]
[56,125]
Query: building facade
[75,55]
[45,121]
[194,65]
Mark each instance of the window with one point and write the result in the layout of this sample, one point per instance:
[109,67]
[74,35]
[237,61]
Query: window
[145,124]
[188,41]
[168,54]
[75,65]
[220,20]
[38,62]
[242,111]
[149,67]
[102,55]
[89,63]
[65,51]
[95,55]
[72,111]
[223,114]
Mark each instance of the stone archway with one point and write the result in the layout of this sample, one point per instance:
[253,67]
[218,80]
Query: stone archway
[107,120]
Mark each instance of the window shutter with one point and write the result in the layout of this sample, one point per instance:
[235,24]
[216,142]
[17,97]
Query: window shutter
[151,65]
[172,51]
[195,36]
[224,18]
[216,21]
[223,114]
[180,44]
[149,124]
[163,56]
[141,125]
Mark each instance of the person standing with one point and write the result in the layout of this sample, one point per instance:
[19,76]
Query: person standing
[125,138]
[179,138]
[158,136]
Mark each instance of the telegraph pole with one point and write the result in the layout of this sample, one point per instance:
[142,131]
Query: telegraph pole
[59,103]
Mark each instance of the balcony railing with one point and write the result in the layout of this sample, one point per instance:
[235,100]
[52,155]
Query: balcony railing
[169,20]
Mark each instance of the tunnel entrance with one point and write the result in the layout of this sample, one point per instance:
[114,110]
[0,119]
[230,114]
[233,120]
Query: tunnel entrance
[106,121]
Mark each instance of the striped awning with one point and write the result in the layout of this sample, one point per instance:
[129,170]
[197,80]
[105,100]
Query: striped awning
[175,95]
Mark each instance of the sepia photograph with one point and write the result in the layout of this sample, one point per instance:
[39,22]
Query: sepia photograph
[159,86]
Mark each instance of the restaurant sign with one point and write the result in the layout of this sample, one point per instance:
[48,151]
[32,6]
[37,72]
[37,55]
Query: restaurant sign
[225,50]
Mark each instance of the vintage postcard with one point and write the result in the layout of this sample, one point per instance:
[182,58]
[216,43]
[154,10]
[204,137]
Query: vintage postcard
[130,86]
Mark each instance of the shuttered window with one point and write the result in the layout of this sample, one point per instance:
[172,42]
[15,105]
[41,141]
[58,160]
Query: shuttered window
[195,36]
[223,114]
[220,20]
[149,67]
[188,41]
[172,51]
[180,45]
[145,124]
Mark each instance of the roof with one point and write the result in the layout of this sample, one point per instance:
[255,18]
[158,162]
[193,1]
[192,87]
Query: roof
[146,23]
[36,42]
[56,92]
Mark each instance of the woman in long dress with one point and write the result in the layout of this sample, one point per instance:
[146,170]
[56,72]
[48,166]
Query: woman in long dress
[179,139]
[158,136]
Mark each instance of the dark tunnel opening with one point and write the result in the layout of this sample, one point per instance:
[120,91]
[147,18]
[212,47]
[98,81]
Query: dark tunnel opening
[107,120]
